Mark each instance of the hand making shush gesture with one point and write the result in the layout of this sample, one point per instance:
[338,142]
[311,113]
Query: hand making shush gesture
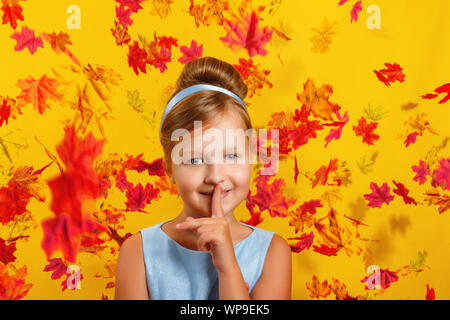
[213,234]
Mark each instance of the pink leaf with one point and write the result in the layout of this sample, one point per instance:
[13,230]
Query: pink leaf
[191,53]
[421,171]
[26,39]
[355,10]
[247,36]
[379,195]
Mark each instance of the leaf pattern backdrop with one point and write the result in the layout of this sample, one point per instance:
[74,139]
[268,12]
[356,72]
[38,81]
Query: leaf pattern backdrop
[363,174]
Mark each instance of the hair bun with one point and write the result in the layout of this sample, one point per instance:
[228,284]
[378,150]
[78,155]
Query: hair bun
[209,70]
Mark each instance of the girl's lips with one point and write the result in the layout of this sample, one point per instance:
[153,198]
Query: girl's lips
[224,194]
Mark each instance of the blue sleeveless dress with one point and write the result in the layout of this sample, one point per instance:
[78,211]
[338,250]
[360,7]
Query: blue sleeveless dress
[177,273]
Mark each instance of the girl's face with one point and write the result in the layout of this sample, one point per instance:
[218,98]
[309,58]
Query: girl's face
[198,176]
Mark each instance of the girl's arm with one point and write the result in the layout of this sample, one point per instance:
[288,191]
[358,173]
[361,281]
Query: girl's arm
[276,278]
[131,282]
[274,282]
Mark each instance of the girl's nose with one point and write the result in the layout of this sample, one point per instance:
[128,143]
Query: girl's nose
[214,174]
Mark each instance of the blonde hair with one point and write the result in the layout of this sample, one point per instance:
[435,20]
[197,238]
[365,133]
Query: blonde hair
[203,105]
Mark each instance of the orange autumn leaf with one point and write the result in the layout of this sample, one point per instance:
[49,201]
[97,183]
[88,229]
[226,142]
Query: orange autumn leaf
[340,290]
[164,184]
[37,92]
[322,36]
[120,33]
[13,286]
[333,235]
[316,99]
[301,219]
[317,289]
[57,41]
[24,178]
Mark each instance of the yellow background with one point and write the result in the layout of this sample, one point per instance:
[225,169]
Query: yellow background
[413,34]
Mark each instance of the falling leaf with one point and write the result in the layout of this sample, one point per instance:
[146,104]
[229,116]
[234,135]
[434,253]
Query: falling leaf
[57,266]
[57,41]
[442,173]
[13,286]
[442,89]
[305,242]
[316,99]
[392,73]
[365,165]
[374,114]
[135,102]
[137,58]
[322,36]
[120,33]
[37,92]
[355,10]
[411,138]
[247,35]
[7,252]
[365,130]
[192,53]
[379,195]
[430,293]
[421,172]
[317,289]
[123,15]
[11,13]
[402,191]
[162,7]
[26,39]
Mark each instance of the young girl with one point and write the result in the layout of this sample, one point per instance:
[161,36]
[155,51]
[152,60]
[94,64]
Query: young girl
[204,252]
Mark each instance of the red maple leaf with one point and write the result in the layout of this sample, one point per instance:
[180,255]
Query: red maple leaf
[155,168]
[255,218]
[247,36]
[321,175]
[57,266]
[355,10]
[327,251]
[295,169]
[379,195]
[13,202]
[430,293]
[305,129]
[442,89]
[137,58]
[12,13]
[7,252]
[123,15]
[305,242]
[310,206]
[366,131]
[392,73]
[5,112]
[191,53]
[403,192]
[122,183]
[386,278]
[134,5]
[421,172]
[138,196]
[411,138]
[270,197]
[26,39]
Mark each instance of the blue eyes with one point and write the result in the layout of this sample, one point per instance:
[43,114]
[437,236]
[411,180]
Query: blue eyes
[234,156]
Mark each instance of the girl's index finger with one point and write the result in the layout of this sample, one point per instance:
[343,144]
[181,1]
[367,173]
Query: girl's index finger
[216,202]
